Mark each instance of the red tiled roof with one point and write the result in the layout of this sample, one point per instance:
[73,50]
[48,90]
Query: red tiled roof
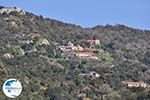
[134,83]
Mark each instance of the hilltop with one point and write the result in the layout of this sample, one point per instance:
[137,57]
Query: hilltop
[32,51]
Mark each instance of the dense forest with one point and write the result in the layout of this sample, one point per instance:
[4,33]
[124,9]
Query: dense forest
[29,52]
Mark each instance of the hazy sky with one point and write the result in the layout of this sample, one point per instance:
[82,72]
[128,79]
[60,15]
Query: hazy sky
[89,13]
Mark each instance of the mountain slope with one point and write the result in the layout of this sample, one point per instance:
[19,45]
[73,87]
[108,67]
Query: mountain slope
[47,75]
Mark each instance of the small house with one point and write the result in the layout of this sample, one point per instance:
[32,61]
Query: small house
[94,74]
[78,48]
[93,42]
[91,50]
[135,84]
[70,44]
[44,42]
[86,55]
[65,48]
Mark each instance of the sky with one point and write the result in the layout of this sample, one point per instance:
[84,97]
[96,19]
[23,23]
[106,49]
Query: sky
[89,13]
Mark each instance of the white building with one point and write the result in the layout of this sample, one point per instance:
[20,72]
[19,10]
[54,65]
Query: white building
[94,74]
[94,42]
[135,84]
[8,10]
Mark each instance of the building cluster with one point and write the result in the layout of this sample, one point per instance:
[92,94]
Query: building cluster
[92,74]
[135,84]
[8,10]
[79,51]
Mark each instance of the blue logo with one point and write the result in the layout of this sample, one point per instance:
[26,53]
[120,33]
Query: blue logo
[12,88]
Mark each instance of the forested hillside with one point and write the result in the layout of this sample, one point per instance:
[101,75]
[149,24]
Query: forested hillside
[31,51]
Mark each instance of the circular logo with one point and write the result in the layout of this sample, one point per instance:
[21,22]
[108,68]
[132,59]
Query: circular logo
[12,88]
